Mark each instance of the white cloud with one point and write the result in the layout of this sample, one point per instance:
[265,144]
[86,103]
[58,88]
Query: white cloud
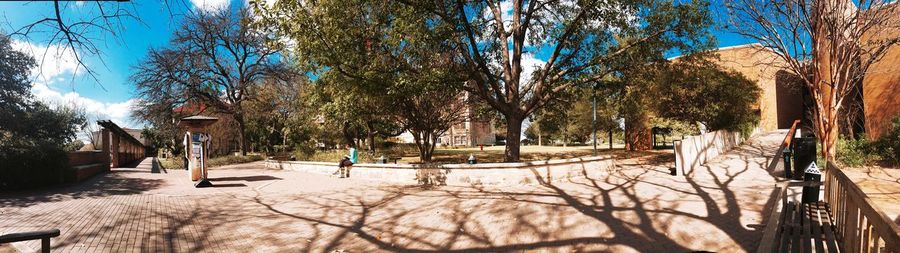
[118,112]
[530,64]
[53,60]
[211,5]
[57,64]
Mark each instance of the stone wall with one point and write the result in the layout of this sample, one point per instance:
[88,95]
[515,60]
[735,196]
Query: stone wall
[464,174]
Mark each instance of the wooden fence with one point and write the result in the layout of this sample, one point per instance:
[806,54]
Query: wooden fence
[860,225]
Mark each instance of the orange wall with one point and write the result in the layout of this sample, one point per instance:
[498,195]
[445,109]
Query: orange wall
[881,86]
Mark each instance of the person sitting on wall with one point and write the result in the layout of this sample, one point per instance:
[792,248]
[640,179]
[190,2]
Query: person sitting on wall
[347,163]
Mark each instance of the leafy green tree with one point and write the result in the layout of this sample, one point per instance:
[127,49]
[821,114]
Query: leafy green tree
[697,90]
[33,135]
[386,62]
[570,116]
[491,43]
[276,119]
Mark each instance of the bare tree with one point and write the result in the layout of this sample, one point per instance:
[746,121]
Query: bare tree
[829,44]
[214,60]
[78,34]
[429,114]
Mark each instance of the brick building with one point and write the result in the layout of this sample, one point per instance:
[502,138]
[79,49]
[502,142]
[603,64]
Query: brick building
[469,134]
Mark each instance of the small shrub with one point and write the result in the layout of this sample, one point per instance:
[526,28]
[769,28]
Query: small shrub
[854,153]
[172,163]
[31,167]
[888,147]
[334,156]
[226,160]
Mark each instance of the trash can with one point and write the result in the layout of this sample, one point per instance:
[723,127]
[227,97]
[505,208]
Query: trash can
[811,192]
[786,154]
[804,154]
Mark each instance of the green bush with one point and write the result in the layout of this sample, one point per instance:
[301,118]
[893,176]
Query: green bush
[172,163]
[31,167]
[888,147]
[226,160]
[854,153]
[333,156]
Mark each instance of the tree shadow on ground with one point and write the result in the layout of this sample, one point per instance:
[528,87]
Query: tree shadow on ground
[106,184]
[626,210]
[635,207]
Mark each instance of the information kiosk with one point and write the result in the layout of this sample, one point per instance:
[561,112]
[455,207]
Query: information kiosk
[196,146]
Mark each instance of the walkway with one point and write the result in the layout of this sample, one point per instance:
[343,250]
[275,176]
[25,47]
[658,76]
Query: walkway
[637,208]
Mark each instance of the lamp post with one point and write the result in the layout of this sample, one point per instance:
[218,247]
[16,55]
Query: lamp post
[196,143]
[594,116]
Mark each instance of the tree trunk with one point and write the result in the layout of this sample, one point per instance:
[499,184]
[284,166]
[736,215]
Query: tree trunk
[370,137]
[348,137]
[610,139]
[242,142]
[425,142]
[513,136]
[540,139]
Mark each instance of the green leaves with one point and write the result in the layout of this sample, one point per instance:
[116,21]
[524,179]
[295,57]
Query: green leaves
[694,89]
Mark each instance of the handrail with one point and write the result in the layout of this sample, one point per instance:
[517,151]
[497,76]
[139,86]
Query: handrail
[43,235]
[787,149]
[790,136]
[861,226]
[767,244]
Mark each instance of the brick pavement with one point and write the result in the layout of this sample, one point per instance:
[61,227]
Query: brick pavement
[636,208]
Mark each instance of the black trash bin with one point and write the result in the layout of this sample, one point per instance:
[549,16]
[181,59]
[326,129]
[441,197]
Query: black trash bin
[804,154]
[786,154]
[811,192]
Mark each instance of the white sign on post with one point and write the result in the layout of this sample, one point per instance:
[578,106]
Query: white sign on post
[812,168]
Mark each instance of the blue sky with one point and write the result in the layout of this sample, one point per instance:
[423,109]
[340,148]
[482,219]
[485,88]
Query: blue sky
[110,96]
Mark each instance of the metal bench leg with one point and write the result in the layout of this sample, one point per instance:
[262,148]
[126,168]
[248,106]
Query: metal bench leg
[45,245]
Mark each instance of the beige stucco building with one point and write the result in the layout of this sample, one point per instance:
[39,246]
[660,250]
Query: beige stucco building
[780,101]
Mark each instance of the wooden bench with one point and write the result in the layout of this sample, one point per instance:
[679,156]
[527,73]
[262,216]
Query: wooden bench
[44,236]
[806,227]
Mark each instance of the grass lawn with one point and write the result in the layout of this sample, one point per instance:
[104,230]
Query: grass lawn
[494,154]
[490,154]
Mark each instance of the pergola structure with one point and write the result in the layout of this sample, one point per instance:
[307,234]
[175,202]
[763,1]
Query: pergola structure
[123,148]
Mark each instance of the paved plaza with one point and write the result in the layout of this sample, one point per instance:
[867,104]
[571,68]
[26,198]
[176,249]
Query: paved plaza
[635,208]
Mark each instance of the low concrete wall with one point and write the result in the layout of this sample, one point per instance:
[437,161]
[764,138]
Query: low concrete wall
[84,164]
[694,151]
[464,174]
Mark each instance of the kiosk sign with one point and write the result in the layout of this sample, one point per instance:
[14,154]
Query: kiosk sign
[197,145]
